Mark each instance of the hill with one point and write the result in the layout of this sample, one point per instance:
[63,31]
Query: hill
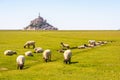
[40,24]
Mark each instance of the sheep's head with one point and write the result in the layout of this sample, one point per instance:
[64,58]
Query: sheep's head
[61,43]
[85,45]
[45,59]
[21,66]
[65,61]
[24,46]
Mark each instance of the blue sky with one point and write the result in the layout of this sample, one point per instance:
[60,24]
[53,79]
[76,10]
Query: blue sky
[63,14]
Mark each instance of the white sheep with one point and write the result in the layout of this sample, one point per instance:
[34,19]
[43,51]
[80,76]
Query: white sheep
[28,53]
[9,52]
[98,44]
[67,56]
[47,55]
[61,51]
[38,50]
[29,43]
[82,46]
[65,45]
[92,42]
[20,62]
[91,45]
[105,42]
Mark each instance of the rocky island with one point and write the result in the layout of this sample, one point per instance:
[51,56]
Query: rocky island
[40,24]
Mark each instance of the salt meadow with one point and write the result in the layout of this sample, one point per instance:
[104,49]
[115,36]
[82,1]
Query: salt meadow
[98,63]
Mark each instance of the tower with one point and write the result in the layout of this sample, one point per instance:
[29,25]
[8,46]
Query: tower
[39,15]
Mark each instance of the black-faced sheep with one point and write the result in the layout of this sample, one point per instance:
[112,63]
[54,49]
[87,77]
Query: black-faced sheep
[28,53]
[47,55]
[65,45]
[29,43]
[9,52]
[67,56]
[38,50]
[20,62]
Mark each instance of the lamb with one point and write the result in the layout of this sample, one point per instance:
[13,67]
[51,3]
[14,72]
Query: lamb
[65,45]
[38,50]
[9,52]
[28,53]
[47,55]
[20,62]
[29,43]
[67,56]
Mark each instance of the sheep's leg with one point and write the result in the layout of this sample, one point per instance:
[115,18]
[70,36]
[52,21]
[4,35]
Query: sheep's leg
[33,46]
[69,60]
[28,46]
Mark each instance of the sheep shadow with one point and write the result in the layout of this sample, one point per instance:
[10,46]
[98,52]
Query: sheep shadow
[74,62]
[26,67]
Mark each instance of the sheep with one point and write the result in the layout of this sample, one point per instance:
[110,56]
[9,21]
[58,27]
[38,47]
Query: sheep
[102,42]
[9,52]
[61,51]
[29,43]
[38,50]
[105,42]
[82,46]
[98,44]
[65,45]
[91,45]
[92,42]
[28,53]
[47,55]
[67,56]
[20,62]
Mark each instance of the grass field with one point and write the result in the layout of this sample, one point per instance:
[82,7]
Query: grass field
[99,63]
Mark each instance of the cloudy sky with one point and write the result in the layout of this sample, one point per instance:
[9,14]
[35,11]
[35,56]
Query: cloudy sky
[63,14]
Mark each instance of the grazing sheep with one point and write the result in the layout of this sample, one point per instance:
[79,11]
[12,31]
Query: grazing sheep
[38,50]
[20,62]
[67,56]
[61,51]
[9,52]
[105,42]
[98,44]
[92,42]
[82,46]
[91,45]
[102,42]
[65,45]
[47,55]
[29,43]
[28,53]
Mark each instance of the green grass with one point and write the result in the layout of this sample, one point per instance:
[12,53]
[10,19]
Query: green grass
[99,63]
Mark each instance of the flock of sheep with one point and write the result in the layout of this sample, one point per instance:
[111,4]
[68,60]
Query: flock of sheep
[66,50]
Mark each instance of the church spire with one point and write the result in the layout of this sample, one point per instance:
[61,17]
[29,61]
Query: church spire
[39,14]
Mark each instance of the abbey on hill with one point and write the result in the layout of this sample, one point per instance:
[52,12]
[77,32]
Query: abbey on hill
[40,24]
